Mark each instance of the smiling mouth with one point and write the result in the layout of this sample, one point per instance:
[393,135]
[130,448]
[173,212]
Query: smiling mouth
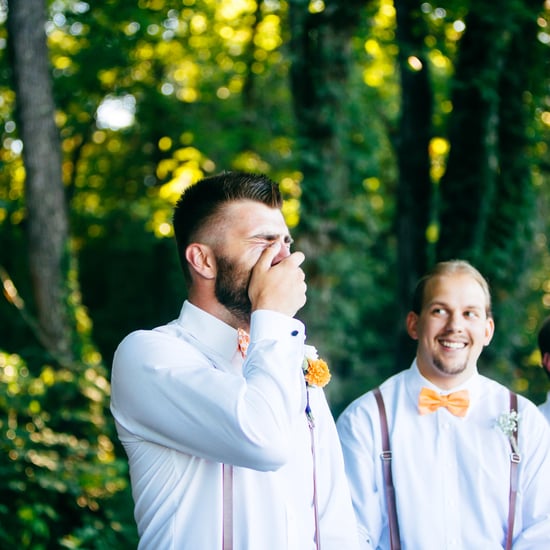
[452,345]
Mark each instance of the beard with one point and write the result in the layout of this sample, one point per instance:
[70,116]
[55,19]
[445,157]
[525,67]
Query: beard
[448,368]
[232,288]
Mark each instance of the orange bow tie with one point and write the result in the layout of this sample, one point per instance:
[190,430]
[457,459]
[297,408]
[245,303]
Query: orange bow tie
[456,402]
[243,341]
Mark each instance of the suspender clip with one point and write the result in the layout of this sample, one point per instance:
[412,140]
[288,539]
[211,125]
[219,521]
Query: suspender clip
[515,458]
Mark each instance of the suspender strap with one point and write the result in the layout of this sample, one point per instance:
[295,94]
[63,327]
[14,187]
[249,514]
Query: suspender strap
[227,528]
[315,498]
[386,456]
[227,474]
[514,461]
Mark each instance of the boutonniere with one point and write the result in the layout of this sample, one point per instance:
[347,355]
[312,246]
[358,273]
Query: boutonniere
[316,370]
[508,422]
[316,374]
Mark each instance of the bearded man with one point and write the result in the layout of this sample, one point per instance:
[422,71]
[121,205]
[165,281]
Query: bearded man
[221,445]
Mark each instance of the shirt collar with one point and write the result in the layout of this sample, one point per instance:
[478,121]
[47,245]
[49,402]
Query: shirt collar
[212,336]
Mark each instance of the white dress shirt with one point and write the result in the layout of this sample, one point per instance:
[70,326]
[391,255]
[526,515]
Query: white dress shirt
[545,408]
[184,403]
[451,474]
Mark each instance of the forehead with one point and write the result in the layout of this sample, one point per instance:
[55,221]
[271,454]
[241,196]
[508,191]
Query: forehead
[460,290]
[248,218]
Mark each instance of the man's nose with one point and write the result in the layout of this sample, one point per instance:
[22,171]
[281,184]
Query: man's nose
[283,253]
[455,322]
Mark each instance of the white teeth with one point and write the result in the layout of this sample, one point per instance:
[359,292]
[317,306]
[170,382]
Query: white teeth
[453,345]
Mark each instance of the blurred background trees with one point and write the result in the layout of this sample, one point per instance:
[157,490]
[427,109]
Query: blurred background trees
[402,133]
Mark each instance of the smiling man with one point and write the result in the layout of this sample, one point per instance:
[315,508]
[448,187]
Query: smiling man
[449,476]
[222,453]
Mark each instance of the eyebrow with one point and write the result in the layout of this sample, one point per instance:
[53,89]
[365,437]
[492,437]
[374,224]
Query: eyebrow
[445,305]
[273,237]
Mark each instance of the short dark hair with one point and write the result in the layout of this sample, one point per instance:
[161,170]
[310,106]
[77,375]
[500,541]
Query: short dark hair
[201,202]
[544,337]
[450,267]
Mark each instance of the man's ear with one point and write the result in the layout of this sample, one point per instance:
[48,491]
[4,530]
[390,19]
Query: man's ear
[201,260]
[546,361]
[489,330]
[411,323]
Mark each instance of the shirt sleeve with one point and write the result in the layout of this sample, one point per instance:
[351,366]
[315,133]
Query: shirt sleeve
[357,436]
[532,527]
[167,392]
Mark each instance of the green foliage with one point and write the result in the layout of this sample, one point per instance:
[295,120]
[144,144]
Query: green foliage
[60,476]
[208,86]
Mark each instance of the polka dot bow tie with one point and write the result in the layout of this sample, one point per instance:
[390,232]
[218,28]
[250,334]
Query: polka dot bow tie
[456,402]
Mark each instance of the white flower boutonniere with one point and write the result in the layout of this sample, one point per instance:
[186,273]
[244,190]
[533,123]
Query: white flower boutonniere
[508,422]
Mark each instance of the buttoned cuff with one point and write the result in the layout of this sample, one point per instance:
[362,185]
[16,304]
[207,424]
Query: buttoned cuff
[267,324]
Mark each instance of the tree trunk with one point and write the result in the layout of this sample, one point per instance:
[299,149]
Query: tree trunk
[468,187]
[487,194]
[415,189]
[321,54]
[47,223]
[509,244]
[510,224]
[320,46]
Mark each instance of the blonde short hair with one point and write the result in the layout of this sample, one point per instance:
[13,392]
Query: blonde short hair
[451,267]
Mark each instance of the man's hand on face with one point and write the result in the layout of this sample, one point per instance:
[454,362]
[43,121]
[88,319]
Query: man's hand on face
[278,287]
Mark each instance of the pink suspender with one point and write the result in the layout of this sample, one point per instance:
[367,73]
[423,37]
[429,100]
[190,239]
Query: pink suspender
[514,461]
[227,528]
[386,456]
[315,499]
[227,490]
[389,489]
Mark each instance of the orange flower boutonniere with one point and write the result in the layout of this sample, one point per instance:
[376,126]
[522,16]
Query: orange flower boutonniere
[316,371]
